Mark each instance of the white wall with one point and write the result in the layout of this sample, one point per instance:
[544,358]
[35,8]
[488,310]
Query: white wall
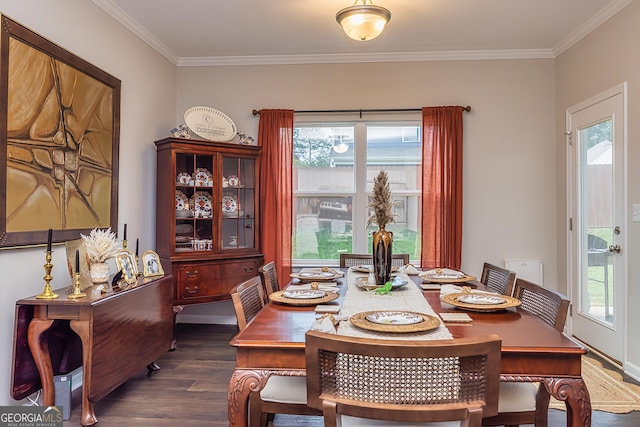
[148,103]
[509,176]
[607,57]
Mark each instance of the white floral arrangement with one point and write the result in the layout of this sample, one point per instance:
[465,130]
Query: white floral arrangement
[101,245]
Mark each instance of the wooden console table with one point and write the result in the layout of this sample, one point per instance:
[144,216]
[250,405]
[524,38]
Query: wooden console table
[112,336]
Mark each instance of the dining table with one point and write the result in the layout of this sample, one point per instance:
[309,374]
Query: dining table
[273,343]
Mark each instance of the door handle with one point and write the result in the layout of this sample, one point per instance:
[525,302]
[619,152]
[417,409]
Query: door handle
[614,248]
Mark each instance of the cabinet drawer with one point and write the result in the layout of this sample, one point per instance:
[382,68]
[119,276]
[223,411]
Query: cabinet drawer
[213,280]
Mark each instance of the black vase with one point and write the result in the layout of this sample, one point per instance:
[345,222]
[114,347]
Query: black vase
[382,242]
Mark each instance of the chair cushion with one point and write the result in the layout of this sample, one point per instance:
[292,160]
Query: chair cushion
[285,389]
[517,397]
[348,421]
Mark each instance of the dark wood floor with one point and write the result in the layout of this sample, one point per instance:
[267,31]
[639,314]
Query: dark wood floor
[190,390]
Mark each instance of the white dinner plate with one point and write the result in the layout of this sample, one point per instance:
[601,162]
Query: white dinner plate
[304,294]
[481,298]
[394,318]
[318,275]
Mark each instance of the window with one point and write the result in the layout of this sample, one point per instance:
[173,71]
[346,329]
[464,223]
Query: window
[334,167]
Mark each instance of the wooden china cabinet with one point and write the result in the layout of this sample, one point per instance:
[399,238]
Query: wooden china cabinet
[207,216]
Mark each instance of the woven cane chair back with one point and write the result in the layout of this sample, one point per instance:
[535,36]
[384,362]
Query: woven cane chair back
[398,380]
[498,279]
[269,278]
[354,260]
[248,300]
[547,304]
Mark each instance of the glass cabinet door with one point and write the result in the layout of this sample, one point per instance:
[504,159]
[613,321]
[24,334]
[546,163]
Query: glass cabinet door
[238,203]
[194,202]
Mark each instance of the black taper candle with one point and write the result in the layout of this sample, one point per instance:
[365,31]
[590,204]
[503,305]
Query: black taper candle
[137,242]
[125,232]
[49,240]
[77,261]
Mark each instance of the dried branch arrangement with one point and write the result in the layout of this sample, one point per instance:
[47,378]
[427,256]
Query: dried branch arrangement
[381,202]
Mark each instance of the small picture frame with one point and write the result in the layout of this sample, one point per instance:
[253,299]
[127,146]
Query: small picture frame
[85,274]
[151,264]
[126,262]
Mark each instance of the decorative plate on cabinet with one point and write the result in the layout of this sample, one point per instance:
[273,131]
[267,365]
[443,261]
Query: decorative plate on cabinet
[183,178]
[201,202]
[229,204]
[233,181]
[210,124]
[202,177]
[182,201]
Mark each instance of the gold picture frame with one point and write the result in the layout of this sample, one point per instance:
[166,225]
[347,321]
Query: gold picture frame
[151,264]
[59,130]
[85,267]
[126,262]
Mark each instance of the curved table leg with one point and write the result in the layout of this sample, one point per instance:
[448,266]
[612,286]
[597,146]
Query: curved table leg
[245,381]
[242,383]
[574,393]
[39,347]
[81,327]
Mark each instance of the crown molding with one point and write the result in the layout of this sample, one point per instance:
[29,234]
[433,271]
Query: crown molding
[137,29]
[368,57]
[593,23]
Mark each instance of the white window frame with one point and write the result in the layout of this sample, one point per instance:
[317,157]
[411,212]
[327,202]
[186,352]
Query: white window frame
[361,189]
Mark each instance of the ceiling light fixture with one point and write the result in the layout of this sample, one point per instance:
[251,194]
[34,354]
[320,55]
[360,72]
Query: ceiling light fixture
[340,147]
[363,21]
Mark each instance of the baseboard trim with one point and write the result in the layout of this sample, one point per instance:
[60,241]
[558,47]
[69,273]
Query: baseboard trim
[206,319]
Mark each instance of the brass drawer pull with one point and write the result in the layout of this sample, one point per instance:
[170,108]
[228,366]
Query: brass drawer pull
[248,269]
[191,276]
[195,290]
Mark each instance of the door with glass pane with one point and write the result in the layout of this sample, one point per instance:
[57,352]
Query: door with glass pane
[598,229]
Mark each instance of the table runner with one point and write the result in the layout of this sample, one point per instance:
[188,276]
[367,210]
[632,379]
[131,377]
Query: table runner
[406,298]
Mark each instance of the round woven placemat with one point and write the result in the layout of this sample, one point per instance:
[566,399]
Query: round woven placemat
[280,298]
[428,323]
[453,300]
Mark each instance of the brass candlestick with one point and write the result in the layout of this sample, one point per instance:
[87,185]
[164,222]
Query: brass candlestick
[47,293]
[77,294]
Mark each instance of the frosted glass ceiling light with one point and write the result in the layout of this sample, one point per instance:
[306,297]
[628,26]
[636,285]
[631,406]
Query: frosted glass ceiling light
[363,22]
[340,148]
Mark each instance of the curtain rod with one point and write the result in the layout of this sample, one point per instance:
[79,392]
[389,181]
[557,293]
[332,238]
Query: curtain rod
[382,110]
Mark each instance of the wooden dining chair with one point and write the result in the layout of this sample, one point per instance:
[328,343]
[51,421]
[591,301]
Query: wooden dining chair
[354,260]
[269,278]
[281,394]
[356,380]
[248,299]
[528,403]
[498,279]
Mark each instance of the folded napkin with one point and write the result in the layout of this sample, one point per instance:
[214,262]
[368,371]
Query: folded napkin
[446,289]
[410,269]
[326,323]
